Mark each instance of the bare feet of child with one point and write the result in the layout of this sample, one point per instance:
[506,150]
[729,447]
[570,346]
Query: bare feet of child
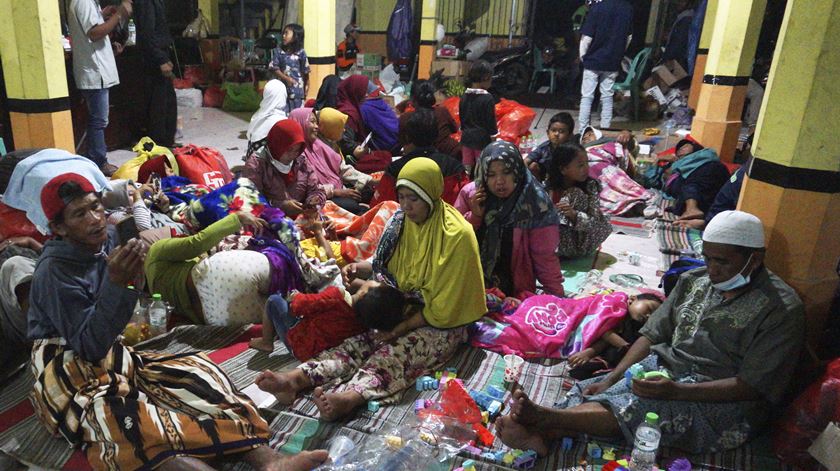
[519,436]
[285,386]
[334,406]
[523,410]
[261,344]
[264,458]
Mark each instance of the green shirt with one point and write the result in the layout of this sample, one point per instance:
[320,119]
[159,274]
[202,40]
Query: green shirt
[756,336]
[170,261]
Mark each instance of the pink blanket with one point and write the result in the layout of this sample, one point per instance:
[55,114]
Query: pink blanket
[619,193]
[543,325]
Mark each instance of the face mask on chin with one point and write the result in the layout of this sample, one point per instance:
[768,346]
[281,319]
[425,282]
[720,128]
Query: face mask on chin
[281,167]
[737,281]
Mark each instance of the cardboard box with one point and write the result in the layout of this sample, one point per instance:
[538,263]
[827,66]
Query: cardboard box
[368,60]
[451,67]
[667,74]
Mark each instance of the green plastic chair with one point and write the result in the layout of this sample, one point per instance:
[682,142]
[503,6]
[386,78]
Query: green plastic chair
[540,68]
[634,78]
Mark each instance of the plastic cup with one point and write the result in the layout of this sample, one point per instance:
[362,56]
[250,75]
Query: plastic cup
[513,368]
[339,447]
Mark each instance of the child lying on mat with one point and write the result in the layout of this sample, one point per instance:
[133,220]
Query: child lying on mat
[608,351]
[311,323]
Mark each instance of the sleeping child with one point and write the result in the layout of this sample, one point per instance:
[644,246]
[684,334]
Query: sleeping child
[311,323]
[608,351]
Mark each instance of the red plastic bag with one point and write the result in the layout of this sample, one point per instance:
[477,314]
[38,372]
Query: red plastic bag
[807,417]
[214,97]
[453,105]
[195,73]
[182,84]
[14,223]
[513,120]
[203,165]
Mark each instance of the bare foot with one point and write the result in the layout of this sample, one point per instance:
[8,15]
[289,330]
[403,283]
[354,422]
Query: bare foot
[524,411]
[264,458]
[334,406]
[261,344]
[285,386]
[519,436]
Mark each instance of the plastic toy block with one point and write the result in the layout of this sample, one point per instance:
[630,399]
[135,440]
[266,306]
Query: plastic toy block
[593,450]
[525,462]
[485,438]
[566,444]
[517,453]
[500,455]
[452,369]
[608,454]
[419,405]
[488,455]
[426,383]
[438,375]
[494,408]
[495,392]
[458,469]
[508,459]
[485,417]
[471,449]
[530,453]
[468,465]
[373,406]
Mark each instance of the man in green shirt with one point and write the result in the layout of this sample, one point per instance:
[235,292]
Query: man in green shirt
[729,335]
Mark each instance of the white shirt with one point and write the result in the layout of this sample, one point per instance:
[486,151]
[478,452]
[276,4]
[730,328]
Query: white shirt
[93,61]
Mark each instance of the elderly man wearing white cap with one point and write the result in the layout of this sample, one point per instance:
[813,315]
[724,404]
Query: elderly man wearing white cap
[727,340]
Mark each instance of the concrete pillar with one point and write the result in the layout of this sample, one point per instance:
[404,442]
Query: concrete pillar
[210,9]
[35,75]
[428,41]
[724,89]
[702,53]
[793,184]
[318,18]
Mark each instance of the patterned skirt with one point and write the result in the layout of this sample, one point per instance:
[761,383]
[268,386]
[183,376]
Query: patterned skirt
[136,410]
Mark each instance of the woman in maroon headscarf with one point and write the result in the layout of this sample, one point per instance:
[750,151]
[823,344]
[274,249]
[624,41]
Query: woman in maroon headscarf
[281,173]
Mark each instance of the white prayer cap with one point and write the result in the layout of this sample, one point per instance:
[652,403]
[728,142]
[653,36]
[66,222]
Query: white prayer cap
[735,228]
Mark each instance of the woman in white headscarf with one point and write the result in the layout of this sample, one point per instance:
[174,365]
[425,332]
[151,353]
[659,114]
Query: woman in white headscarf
[273,108]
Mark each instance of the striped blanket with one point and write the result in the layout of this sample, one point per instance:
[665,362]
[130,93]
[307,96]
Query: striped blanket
[295,429]
[672,239]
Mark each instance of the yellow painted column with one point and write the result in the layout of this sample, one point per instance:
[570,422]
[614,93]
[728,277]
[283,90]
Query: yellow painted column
[318,18]
[428,41]
[702,53]
[717,122]
[793,184]
[35,75]
[210,9]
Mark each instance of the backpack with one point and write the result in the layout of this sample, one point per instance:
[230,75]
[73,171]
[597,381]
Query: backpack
[684,264]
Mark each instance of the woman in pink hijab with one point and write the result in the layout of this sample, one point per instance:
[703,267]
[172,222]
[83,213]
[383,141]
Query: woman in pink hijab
[327,164]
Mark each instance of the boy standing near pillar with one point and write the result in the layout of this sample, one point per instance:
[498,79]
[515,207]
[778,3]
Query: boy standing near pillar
[605,35]
[94,67]
[154,41]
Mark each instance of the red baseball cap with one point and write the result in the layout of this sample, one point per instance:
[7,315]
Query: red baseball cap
[51,203]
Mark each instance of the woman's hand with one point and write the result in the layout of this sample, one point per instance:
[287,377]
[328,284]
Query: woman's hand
[659,387]
[581,357]
[22,241]
[347,193]
[246,219]
[357,271]
[477,202]
[567,210]
[292,208]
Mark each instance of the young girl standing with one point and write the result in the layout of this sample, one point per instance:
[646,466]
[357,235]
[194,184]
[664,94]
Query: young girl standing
[478,115]
[583,226]
[291,66]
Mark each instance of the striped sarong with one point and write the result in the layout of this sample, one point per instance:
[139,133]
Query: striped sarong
[136,410]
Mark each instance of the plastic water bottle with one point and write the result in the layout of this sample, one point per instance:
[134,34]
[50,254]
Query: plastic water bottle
[157,315]
[132,33]
[669,128]
[646,444]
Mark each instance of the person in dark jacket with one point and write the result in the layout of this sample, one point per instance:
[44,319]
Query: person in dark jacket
[154,41]
[478,115]
[128,409]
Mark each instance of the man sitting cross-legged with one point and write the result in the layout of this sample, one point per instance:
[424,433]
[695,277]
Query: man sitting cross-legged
[729,334]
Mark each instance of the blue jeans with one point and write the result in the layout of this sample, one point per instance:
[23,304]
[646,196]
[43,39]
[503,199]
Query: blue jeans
[280,315]
[591,80]
[97,104]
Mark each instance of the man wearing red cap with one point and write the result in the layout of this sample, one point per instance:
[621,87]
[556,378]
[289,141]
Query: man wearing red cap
[128,409]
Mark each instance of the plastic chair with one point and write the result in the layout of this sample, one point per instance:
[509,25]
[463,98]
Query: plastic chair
[540,68]
[634,79]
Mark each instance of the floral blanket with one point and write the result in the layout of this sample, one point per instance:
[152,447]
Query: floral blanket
[608,163]
[360,234]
